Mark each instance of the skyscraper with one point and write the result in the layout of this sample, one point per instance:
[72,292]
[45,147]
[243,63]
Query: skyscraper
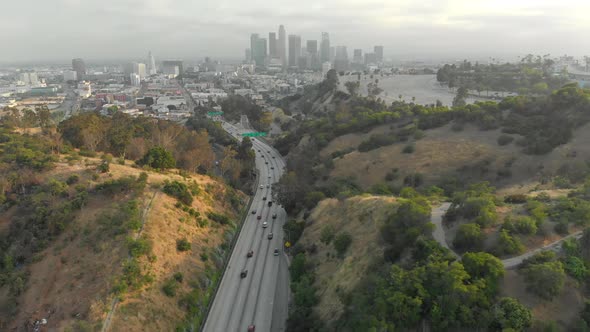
[294,50]
[272,45]
[325,47]
[152,70]
[139,69]
[312,54]
[357,56]
[282,47]
[378,50]
[79,67]
[253,39]
[341,59]
[172,67]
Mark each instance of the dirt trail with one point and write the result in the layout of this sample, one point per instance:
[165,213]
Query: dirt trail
[439,235]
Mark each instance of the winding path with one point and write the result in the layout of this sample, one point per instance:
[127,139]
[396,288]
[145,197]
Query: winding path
[439,235]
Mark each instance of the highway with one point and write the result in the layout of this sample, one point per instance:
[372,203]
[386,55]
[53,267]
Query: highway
[261,298]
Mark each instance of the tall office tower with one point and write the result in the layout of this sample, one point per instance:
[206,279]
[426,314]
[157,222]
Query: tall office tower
[358,56]
[325,47]
[139,69]
[378,50]
[282,46]
[172,67]
[253,40]
[272,45]
[248,55]
[312,54]
[135,79]
[294,50]
[341,59]
[79,67]
[260,51]
[152,70]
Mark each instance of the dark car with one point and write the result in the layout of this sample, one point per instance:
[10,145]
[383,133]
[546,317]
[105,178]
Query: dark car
[276,252]
[250,253]
[264,198]
[243,274]
[272,167]
[259,217]
[266,162]
[253,211]
[273,157]
[269,203]
[274,216]
[251,328]
[270,236]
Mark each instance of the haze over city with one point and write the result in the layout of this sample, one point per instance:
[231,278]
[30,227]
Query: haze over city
[122,29]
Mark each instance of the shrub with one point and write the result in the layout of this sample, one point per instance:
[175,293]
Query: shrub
[392,175]
[178,190]
[183,245]
[141,246]
[178,277]
[414,180]
[103,167]
[169,288]
[508,245]
[218,218]
[204,256]
[158,158]
[327,234]
[515,199]
[469,237]
[546,279]
[74,178]
[520,225]
[342,242]
[505,139]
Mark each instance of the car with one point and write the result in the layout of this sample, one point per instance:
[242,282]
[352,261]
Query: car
[269,203]
[273,157]
[276,252]
[274,216]
[264,198]
[250,253]
[264,224]
[258,150]
[270,236]
[251,328]
[268,151]
[268,185]
[259,217]
[269,176]
[272,167]
[266,162]
[243,274]
[261,186]
[253,211]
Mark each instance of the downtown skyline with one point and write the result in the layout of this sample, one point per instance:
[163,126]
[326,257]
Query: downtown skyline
[124,29]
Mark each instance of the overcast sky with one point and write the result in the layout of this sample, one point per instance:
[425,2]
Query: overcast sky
[190,29]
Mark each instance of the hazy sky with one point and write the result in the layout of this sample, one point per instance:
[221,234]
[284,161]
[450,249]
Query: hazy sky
[191,29]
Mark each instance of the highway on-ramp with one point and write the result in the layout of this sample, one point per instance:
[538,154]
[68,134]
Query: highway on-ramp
[241,302]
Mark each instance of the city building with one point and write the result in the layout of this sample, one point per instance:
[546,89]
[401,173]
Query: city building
[70,75]
[79,67]
[325,48]
[28,77]
[172,67]
[370,58]
[326,66]
[84,90]
[378,50]
[260,52]
[248,55]
[152,70]
[135,79]
[272,45]
[139,69]
[313,57]
[282,47]
[341,59]
[294,50]
[357,56]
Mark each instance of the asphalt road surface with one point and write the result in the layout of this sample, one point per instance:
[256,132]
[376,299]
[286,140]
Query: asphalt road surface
[261,298]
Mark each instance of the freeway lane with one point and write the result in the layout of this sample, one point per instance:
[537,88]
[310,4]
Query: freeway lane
[241,302]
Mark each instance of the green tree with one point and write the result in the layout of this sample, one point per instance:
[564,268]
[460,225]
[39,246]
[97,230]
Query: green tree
[158,158]
[341,243]
[482,265]
[352,87]
[546,279]
[469,237]
[508,313]
[460,97]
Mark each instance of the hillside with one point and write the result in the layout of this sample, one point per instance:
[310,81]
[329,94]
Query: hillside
[75,236]
[360,216]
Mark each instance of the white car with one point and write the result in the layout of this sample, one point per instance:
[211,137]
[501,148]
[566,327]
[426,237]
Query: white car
[261,186]
[264,224]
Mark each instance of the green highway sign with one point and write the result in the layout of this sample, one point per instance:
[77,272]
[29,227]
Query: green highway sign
[255,134]
[214,113]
